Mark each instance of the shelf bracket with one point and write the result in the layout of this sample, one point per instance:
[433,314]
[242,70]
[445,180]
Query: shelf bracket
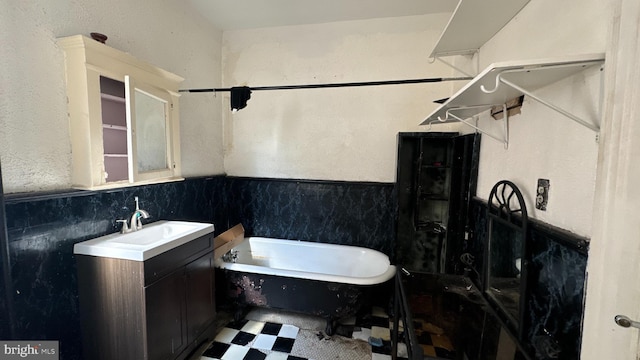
[500,79]
[504,139]
[439,58]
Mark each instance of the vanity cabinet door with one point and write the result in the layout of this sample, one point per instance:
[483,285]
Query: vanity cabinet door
[166,316]
[200,296]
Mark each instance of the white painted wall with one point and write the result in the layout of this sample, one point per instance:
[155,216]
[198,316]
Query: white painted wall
[350,134]
[614,254]
[543,143]
[334,134]
[337,133]
[34,133]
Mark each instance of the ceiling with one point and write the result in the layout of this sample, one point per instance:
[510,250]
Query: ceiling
[247,14]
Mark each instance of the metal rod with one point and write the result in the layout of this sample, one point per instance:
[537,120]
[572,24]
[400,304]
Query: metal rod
[601,95]
[335,85]
[396,319]
[506,125]
[413,346]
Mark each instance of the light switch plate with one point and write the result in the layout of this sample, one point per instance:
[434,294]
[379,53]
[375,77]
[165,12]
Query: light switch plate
[542,194]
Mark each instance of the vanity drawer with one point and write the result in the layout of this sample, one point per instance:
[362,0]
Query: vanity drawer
[167,262]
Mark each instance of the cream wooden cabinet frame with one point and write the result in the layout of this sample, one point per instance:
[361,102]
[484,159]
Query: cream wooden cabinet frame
[123,117]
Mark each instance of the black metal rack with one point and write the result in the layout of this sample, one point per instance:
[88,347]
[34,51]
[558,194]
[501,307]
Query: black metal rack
[401,311]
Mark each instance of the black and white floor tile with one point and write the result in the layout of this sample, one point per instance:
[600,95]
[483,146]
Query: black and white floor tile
[359,338]
[254,340]
[375,328]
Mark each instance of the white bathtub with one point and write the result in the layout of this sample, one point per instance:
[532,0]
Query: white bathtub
[332,281]
[312,261]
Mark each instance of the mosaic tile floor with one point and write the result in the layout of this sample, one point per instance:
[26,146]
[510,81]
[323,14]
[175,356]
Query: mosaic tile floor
[265,339]
[433,344]
[432,338]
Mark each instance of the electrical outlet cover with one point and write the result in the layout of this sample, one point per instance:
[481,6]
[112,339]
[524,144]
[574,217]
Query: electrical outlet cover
[542,194]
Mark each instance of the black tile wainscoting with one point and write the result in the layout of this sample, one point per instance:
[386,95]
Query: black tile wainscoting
[6,311]
[555,285]
[345,213]
[43,227]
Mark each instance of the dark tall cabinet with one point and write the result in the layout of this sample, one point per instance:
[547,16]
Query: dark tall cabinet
[436,178]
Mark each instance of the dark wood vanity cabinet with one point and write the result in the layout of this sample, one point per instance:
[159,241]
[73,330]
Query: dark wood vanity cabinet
[161,308]
[165,314]
[200,298]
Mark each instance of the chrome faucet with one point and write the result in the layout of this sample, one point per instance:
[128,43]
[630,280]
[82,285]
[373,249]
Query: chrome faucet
[230,256]
[135,222]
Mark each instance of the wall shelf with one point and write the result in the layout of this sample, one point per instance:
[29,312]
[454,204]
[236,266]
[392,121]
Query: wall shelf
[501,82]
[473,23]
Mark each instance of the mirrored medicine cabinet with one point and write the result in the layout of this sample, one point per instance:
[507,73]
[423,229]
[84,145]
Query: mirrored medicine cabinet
[123,116]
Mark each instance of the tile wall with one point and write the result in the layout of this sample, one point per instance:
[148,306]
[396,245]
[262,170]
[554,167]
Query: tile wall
[346,213]
[42,229]
[555,284]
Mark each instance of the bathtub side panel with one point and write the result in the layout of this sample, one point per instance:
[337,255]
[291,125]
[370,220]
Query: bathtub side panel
[325,299]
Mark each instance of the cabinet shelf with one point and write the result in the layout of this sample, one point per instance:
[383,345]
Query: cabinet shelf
[501,82]
[113,98]
[114,127]
[473,23]
[116,155]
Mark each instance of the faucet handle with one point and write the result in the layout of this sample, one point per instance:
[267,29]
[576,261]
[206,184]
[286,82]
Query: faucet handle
[125,228]
[139,221]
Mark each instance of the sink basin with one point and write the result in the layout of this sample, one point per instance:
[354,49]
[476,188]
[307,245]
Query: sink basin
[153,239]
[166,231]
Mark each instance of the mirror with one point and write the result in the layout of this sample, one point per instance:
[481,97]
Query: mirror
[505,269]
[505,266]
[151,132]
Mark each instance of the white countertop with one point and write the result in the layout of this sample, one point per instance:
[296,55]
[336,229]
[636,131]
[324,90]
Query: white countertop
[153,239]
